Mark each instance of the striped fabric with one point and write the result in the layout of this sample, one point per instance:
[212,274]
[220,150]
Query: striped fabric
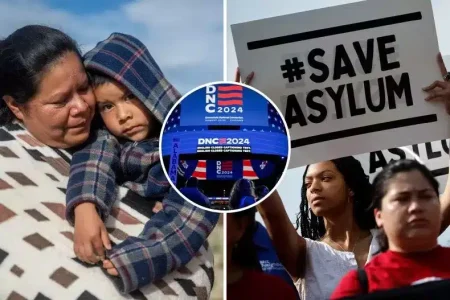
[249,173]
[200,170]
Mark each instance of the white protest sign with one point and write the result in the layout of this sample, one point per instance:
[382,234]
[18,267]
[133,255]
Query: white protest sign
[348,78]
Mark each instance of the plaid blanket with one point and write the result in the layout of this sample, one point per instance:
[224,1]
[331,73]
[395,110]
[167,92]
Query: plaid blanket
[36,247]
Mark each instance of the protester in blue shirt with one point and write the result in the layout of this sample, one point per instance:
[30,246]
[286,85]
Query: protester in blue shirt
[267,256]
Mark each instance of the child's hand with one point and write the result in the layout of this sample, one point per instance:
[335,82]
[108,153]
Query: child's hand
[107,264]
[90,234]
[158,206]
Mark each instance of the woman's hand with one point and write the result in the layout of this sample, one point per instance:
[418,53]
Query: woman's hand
[90,236]
[248,80]
[440,90]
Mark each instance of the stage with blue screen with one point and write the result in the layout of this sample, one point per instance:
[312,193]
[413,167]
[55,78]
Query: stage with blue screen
[221,134]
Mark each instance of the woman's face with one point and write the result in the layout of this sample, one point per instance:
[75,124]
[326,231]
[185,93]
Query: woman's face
[410,209]
[326,190]
[60,113]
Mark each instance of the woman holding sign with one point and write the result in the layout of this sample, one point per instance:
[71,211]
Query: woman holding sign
[407,208]
[335,222]
[336,239]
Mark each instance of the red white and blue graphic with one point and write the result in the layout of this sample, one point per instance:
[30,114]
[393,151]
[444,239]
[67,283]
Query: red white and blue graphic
[252,169]
[223,104]
[224,169]
[222,141]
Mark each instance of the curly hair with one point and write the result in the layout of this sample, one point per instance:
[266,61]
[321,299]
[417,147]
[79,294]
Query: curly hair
[355,178]
[241,188]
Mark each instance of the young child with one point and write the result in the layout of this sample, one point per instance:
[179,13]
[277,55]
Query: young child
[133,98]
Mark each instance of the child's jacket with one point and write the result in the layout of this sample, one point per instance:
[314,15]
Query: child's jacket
[171,237]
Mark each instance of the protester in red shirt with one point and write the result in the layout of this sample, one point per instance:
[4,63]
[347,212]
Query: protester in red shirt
[245,279]
[407,209]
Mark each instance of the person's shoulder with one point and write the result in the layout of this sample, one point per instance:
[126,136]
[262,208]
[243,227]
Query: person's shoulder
[380,259]
[348,286]
[443,248]
[444,251]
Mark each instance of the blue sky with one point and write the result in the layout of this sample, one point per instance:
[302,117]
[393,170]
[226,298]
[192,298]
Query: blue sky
[185,37]
[86,7]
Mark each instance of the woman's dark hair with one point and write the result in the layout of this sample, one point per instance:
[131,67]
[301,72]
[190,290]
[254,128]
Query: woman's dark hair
[313,227]
[25,56]
[261,191]
[244,251]
[241,188]
[381,181]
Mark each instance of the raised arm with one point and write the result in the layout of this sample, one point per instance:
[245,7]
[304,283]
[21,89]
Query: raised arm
[440,91]
[445,205]
[290,246]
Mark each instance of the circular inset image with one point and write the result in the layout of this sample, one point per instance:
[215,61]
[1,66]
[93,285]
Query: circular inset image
[224,146]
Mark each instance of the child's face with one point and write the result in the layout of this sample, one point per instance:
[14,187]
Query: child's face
[124,115]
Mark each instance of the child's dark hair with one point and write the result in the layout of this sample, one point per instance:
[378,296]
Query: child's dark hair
[244,252]
[380,185]
[241,188]
[97,78]
[313,227]
[25,56]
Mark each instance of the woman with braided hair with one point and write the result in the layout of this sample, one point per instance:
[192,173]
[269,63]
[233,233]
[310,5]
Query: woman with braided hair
[335,223]
[359,188]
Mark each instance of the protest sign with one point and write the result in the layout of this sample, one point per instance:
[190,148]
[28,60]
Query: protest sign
[348,79]
[434,155]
